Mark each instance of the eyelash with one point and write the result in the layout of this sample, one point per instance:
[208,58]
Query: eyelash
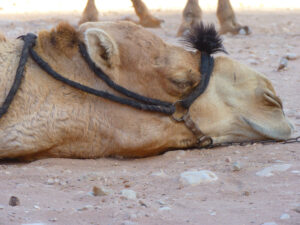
[181,84]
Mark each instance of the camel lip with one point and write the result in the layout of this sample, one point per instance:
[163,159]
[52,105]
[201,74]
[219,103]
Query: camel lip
[276,134]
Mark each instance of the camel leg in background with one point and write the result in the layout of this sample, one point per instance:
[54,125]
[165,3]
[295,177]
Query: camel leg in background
[227,19]
[146,19]
[90,13]
[191,15]
[2,37]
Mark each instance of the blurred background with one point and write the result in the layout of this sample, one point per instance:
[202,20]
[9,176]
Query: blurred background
[40,6]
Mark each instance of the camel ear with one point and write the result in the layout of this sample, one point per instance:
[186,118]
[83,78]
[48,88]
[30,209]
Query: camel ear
[101,47]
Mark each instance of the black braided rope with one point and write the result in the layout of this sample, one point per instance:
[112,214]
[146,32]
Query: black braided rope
[29,41]
[98,71]
[206,68]
[138,101]
[125,101]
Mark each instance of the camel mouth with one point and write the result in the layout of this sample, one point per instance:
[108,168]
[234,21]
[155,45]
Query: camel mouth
[276,131]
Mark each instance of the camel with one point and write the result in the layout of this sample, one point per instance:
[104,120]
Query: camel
[90,14]
[48,118]
[2,37]
[192,15]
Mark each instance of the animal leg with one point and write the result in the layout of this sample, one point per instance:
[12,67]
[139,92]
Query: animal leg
[146,19]
[228,20]
[90,13]
[2,37]
[191,16]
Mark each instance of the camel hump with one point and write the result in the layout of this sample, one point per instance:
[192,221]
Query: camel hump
[204,38]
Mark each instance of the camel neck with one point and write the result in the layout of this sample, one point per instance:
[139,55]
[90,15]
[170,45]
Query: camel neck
[9,58]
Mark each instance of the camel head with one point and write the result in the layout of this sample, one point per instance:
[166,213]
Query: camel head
[239,103]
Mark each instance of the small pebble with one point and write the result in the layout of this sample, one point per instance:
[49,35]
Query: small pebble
[212,213]
[36,207]
[50,181]
[33,224]
[236,166]
[252,61]
[161,202]
[165,208]
[282,63]
[98,191]
[161,173]
[228,159]
[297,209]
[14,201]
[285,216]
[291,56]
[85,208]
[128,223]
[53,219]
[242,31]
[129,194]
[269,223]
[143,203]
[133,217]
[246,193]
[1,207]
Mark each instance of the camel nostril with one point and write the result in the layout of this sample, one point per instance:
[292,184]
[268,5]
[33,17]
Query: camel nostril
[272,99]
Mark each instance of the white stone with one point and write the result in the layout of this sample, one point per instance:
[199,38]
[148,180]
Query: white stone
[198,177]
[165,208]
[284,216]
[252,61]
[85,208]
[129,194]
[242,32]
[267,172]
[1,207]
[160,173]
[295,171]
[282,63]
[133,216]
[128,223]
[291,56]
[161,202]
[33,224]
[236,166]
[50,181]
[212,213]
[269,223]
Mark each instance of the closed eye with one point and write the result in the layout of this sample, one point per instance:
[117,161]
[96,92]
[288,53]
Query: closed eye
[182,84]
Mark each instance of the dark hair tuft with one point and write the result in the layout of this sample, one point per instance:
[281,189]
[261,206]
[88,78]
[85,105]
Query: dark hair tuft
[204,38]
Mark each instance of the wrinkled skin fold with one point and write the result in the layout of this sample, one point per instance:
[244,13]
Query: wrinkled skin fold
[50,119]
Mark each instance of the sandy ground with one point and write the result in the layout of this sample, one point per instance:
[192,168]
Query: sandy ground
[59,191]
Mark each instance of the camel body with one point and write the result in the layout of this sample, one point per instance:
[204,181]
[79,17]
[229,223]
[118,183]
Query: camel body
[48,118]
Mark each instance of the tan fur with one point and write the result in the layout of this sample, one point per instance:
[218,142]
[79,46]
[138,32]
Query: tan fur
[90,13]
[191,16]
[2,37]
[146,19]
[50,119]
[227,19]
